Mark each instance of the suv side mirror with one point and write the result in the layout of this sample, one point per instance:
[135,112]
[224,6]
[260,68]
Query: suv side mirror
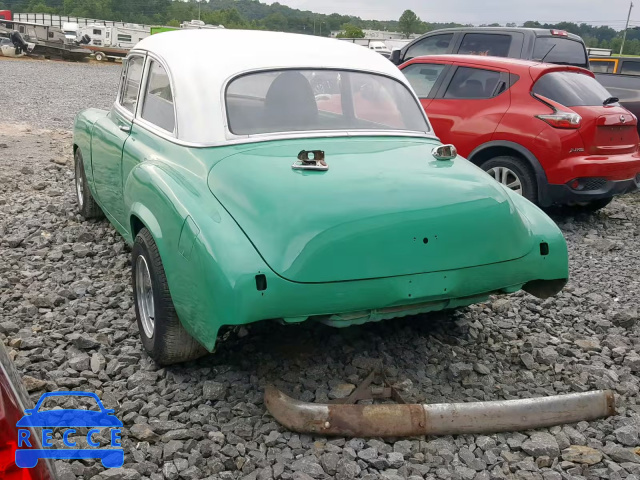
[395,57]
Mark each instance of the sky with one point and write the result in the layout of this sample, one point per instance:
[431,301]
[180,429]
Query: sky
[596,12]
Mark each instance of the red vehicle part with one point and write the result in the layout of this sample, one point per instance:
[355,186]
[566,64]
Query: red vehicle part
[550,130]
[5,14]
[13,401]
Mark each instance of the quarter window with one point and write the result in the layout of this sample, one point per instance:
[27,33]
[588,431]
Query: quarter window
[423,77]
[131,83]
[158,100]
[435,45]
[630,68]
[485,44]
[475,83]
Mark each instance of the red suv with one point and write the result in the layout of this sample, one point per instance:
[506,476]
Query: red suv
[549,132]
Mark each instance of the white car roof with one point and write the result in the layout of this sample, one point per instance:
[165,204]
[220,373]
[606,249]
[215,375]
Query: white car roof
[201,62]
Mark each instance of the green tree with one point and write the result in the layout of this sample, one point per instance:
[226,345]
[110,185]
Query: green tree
[40,7]
[408,22]
[276,22]
[351,31]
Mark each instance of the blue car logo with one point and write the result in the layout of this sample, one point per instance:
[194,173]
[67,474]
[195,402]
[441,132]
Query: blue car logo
[68,419]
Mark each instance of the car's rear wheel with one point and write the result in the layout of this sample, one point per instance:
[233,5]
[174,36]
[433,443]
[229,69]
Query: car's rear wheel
[163,336]
[86,203]
[513,173]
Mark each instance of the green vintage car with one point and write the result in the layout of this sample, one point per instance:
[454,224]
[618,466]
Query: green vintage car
[262,175]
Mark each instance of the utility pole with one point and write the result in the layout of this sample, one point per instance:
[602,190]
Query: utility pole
[624,37]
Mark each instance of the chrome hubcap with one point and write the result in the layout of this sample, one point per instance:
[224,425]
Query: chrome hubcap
[79,184]
[144,297]
[506,177]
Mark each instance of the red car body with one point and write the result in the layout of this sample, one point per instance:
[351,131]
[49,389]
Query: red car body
[582,153]
[13,401]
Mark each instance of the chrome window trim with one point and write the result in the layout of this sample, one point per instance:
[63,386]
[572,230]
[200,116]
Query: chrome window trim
[294,136]
[121,109]
[150,57]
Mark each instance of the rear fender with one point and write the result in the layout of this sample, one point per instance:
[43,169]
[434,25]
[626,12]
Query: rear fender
[209,263]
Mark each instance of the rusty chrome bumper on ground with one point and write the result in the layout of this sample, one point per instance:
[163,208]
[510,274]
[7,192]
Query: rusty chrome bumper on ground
[402,420]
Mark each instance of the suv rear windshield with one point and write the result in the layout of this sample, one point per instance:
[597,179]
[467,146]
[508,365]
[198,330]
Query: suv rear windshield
[312,100]
[571,89]
[560,50]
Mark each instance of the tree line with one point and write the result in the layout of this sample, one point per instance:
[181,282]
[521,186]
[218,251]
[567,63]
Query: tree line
[252,14]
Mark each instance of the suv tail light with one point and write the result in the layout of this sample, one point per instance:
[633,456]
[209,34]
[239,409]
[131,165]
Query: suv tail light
[560,119]
[559,33]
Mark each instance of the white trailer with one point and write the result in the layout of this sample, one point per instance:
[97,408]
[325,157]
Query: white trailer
[117,37]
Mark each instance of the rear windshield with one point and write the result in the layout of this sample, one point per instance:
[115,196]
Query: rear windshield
[560,50]
[312,100]
[571,89]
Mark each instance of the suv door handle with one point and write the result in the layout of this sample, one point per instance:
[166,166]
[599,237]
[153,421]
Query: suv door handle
[125,128]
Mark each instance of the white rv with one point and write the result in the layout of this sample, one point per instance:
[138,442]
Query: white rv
[116,37]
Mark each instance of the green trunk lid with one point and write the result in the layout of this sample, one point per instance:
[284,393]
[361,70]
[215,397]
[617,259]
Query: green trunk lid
[384,208]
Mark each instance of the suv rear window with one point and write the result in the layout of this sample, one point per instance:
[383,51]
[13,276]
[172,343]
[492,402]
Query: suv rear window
[474,83]
[571,89]
[560,50]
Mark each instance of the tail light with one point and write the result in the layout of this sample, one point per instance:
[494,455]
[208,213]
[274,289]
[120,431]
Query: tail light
[559,33]
[561,119]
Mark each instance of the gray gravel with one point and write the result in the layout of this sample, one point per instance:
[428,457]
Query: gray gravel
[67,316]
[49,93]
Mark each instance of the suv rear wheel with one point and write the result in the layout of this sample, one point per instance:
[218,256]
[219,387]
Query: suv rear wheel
[513,173]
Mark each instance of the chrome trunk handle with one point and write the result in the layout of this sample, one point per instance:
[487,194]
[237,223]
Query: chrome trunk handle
[310,160]
[444,152]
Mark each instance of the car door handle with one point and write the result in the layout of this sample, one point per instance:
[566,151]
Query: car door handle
[125,128]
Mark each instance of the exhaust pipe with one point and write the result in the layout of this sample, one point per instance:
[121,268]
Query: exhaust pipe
[408,420]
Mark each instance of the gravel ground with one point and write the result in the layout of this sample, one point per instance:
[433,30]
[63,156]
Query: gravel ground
[48,93]
[67,317]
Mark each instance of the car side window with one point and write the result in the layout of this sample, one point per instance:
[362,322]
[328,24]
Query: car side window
[603,66]
[423,77]
[158,99]
[475,83]
[435,45]
[630,67]
[485,44]
[131,83]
